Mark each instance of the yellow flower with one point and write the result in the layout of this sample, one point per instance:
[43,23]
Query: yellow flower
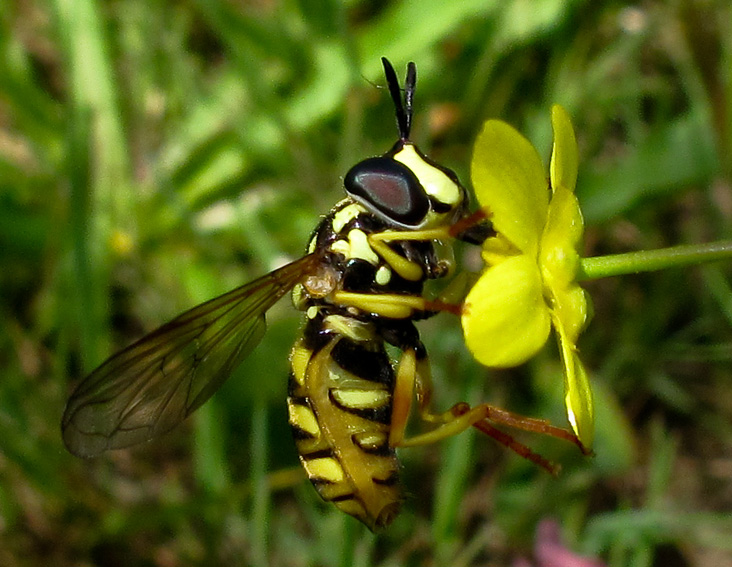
[529,283]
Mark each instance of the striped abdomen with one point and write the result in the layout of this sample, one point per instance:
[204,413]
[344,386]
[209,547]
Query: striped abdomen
[339,401]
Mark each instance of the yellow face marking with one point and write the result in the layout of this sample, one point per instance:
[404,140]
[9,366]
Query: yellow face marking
[434,181]
[383,275]
[346,215]
[325,468]
[360,247]
[357,398]
[303,418]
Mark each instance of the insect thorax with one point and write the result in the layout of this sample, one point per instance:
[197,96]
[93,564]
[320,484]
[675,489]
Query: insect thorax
[343,238]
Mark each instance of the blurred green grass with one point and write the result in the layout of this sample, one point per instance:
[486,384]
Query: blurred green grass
[155,154]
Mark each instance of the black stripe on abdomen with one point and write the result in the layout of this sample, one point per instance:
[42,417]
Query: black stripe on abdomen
[367,364]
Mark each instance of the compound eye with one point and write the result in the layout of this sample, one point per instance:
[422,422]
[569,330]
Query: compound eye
[389,189]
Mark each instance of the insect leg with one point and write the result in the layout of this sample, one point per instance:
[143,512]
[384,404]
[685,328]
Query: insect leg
[391,305]
[474,229]
[413,378]
[406,268]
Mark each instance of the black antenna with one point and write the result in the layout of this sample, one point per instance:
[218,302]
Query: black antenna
[403,106]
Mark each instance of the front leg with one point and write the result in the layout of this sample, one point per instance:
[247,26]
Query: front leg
[406,268]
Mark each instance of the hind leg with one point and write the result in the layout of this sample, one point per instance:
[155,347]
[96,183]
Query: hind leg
[413,379]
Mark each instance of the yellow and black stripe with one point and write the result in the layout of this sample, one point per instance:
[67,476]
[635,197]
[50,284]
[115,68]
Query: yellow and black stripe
[340,399]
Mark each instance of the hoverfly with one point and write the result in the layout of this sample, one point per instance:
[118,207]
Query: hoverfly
[360,286]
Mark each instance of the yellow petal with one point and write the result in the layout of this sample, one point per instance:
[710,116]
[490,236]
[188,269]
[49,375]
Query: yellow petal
[572,307]
[496,249]
[563,167]
[559,258]
[509,181]
[577,391]
[505,318]
[564,225]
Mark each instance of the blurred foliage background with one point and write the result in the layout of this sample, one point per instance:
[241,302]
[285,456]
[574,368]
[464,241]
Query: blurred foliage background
[154,154]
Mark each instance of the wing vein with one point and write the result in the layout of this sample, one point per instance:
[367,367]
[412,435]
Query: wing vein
[152,385]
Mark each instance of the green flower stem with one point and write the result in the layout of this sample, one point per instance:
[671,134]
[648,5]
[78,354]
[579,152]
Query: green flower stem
[651,260]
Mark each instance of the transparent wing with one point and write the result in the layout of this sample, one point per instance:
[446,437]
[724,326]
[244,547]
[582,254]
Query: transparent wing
[152,385]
